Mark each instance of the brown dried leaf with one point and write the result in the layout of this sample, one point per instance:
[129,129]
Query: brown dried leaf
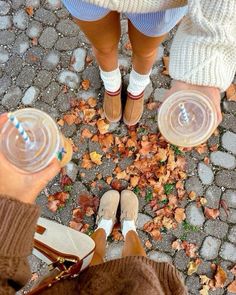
[86,162]
[148,244]
[232,287]
[166,61]
[29,10]
[86,133]
[220,277]
[180,215]
[177,245]
[61,122]
[231,92]
[102,126]
[211,213]
[85,84]
[134,180]
[69,119]
[89,114]
[92,102]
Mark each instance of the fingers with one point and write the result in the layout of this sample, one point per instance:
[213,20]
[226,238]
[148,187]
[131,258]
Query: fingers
[50,172]
[3,119]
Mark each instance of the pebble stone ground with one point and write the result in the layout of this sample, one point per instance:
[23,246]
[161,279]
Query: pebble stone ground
[35,55]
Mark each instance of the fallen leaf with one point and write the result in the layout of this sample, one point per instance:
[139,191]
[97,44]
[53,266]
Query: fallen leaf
[34,277]
[220,277]
[225,206]
[231,92]
[102,126]
[148,244]
[85,84]
[53,205]
[166,65]
[204,290]
[61,122]
[76,225]
[92,102]
[192,196]
[116,185]
[156,234]
[193,266]
[96,158]
[69,119]
[203,201]
[116,233]
[106,140]
[134,180]
[89,211]
[204,279]
[128,46]
[177,245]
[29,10]
[232,287]
[202,148]
[180,215]
[89,59]
[86,133]
[34,41]
[121,175]
[86,162]
[152,106]
[211,213]
[89,114]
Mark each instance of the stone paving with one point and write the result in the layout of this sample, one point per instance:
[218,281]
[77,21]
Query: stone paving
[36,50]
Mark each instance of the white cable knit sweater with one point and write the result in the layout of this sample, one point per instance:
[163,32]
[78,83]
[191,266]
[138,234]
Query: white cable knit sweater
[204,49]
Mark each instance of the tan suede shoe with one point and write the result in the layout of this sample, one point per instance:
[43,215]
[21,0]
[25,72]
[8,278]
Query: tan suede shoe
[108,206]
[112,106]
[133,109]
[129,206]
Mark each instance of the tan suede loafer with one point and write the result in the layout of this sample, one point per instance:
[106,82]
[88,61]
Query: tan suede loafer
[129,206]
[112,106]
[108,206]
[133,109]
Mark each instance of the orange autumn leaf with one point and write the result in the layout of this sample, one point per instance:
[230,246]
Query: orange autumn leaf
[102,126]
[202,148]
[232,287]
[29,10]
[192,196]
[156,234]
[180,215]
[128,46]
[211,213]
[85,84]
[121,175]
[86,162]
[146,148]
[148,244]
[61,122]
[107,140]
[152,106]
[92,102]
[86,133]
[134,180]
[177,245]
[166,65]
[96,158]
[233,270]
[89,114]
[231,92]
[220,277]
[70,119]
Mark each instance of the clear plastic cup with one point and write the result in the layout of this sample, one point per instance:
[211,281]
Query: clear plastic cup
[46,141]
[187,118]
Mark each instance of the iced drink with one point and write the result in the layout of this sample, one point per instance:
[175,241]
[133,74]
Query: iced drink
[187,118]
[46,142]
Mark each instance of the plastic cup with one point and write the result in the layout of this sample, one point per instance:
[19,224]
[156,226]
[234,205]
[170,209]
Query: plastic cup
[46,142]
[187,118]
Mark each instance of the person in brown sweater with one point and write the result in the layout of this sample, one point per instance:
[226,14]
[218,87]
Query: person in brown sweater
[134,273]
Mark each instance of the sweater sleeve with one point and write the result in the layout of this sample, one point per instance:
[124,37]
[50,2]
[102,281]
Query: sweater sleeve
[17,227]
[204,48]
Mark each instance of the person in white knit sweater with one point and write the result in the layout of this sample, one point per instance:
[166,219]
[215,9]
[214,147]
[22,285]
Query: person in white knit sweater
[202,56]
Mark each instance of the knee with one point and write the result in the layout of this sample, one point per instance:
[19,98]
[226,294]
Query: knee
[106,50]
[144,54]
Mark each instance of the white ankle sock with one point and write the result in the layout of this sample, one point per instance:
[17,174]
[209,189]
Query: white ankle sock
[111,80]
[127,226]
[106,224]
[137,82]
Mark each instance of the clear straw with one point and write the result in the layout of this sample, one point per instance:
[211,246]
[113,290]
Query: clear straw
[184,113]
[19,128]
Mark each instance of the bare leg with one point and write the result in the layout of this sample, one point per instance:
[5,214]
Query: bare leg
[144,49]
[99,237]
[133,246]
[104,35]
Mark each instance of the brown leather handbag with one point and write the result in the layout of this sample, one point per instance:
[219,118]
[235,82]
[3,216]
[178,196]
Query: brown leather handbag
[66,251]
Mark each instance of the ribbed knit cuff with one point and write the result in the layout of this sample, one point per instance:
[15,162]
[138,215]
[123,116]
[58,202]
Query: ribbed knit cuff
[203,50]
[17,227]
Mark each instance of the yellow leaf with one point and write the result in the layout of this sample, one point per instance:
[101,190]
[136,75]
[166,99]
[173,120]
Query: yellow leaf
[204,290]
[102,126]
[204,279]
[134,180]
[193,267]
[96,158]
[121,175]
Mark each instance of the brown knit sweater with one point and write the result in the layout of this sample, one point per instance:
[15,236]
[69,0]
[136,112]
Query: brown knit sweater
[125,276]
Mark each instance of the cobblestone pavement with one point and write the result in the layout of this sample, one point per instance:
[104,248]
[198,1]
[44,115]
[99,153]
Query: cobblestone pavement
[36,48]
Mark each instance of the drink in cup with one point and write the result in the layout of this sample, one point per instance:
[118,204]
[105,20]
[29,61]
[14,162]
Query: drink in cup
[30,140]
[187,118]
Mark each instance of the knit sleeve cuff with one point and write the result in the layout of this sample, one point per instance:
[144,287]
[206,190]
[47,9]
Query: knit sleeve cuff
[204,49]
[17,227]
